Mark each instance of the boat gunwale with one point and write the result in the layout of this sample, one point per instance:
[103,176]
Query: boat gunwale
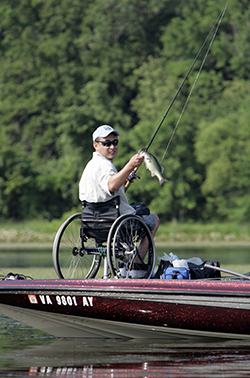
[236,288]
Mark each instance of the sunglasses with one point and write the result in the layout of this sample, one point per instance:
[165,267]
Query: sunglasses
[107,143]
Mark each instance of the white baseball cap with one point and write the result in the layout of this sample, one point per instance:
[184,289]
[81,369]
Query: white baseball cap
[103,131]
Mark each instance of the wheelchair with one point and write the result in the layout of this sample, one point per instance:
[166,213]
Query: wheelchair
[81,245]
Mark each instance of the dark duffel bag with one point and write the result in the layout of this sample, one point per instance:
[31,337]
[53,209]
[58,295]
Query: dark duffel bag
[200,271]
[140,208]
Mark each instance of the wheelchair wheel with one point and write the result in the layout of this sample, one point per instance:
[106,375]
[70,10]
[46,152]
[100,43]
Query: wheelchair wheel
[73,257]
[130,248]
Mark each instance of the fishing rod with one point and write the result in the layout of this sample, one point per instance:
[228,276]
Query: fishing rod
[133,174]
[195,81]
[185,78]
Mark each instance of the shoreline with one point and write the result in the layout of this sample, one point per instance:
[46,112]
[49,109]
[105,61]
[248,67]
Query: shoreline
[23,246]
[188,244]
[191,244]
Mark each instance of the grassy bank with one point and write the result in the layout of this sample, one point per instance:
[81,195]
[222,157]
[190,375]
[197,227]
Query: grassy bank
[197,232]
[43,231]
[33,231]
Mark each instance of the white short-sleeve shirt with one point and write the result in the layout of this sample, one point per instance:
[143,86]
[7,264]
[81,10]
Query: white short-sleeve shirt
[93,186]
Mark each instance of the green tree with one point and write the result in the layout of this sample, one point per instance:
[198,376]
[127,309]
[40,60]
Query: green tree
[67,67]
[39,72]
[185,197]
[223,146]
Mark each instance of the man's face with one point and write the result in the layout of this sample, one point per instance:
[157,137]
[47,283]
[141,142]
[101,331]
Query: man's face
[109,151]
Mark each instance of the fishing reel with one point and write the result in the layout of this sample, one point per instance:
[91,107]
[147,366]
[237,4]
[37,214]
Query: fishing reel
[133,175]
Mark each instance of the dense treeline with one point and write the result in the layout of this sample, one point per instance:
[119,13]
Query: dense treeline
[68,66]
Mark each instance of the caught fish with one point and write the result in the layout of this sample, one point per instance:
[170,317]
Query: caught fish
[152,163]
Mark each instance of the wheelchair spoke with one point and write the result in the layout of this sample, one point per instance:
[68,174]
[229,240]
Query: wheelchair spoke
[70,255]
[131,251]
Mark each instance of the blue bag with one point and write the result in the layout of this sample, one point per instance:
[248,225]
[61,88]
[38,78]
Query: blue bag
[172,273]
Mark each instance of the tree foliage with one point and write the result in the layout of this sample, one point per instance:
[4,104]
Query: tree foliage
[69,66]
[226,156]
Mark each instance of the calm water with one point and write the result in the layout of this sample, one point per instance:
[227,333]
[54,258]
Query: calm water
[42,258]
[26,352]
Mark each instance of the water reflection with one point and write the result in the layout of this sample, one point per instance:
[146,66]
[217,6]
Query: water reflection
[127,358]
[43,257]
[26,258]
[226,254]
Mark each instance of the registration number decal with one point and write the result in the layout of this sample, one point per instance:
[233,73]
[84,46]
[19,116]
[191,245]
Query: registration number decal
[60,300]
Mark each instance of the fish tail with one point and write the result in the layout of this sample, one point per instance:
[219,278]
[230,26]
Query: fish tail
[163,180]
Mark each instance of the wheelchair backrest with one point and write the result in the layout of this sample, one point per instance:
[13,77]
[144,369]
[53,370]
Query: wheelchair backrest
[97,218]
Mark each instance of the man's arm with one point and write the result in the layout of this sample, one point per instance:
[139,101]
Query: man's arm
[118,179]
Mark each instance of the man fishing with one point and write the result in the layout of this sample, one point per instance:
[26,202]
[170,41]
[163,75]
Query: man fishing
[100,181]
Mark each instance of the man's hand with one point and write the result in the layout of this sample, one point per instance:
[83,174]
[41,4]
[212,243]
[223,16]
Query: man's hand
[136,161]
[117,180]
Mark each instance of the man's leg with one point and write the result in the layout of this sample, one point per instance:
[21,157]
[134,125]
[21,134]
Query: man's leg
[144,244]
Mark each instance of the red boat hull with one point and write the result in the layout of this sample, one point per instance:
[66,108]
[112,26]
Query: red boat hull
[130,308]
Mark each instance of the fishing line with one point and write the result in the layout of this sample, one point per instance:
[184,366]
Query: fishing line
[195,81]
[133,175]
[179,89]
